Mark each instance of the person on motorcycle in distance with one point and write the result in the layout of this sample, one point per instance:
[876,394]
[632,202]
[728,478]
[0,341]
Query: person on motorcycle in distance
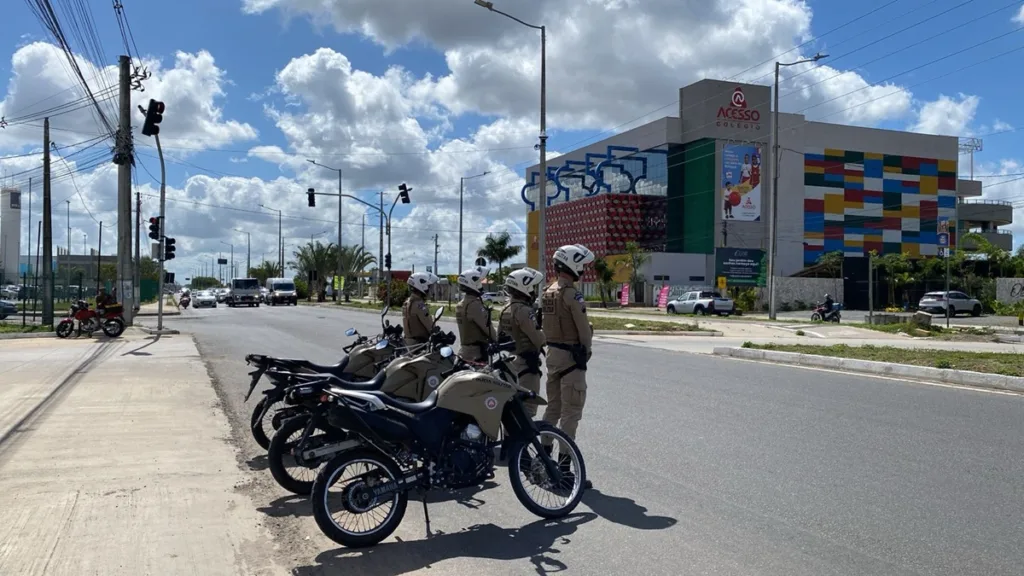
[417,323]
[518,321]
[476,331]
[828,305]
[569,338]
[103,300]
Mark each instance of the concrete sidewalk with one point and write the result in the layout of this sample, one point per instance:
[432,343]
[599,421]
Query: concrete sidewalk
[115,459]
[151,309]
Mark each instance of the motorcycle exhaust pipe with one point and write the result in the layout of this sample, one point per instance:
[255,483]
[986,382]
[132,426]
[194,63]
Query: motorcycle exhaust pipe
[330,449]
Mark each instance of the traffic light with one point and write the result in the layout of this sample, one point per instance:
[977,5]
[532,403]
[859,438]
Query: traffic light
[387,260]
[311,196]
[154,116]
[168,277]
[154,228]
[403,193]
[169,248]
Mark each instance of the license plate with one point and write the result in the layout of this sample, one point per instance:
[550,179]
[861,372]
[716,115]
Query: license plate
[256,375]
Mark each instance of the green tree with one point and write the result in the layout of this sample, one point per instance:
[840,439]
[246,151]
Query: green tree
[499,249]
[899,270]
[832,264]
[108,273]
[317,257]
[265,270]
[605,279]
[354,260]
[203,282]
[149,269]
[638,257]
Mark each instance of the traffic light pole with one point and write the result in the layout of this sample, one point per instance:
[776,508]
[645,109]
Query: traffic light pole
[163,226]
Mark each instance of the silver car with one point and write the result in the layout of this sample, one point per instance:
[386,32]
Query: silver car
[954,302]
[204,299]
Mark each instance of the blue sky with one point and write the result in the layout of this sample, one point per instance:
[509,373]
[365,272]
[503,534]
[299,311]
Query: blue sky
[469,76]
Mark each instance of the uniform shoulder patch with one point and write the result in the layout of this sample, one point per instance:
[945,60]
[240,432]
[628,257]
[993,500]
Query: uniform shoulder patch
[579,297]
[423,306]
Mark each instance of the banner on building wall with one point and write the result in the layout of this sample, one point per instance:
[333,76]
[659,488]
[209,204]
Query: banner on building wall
[624,298]
[663,297]
[741,266]
[741,182]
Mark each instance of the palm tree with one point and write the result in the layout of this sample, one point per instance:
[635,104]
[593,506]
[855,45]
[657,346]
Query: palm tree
[354,260]
[605,279]
[265,270]
[637,259]
[499,249]
[316,257]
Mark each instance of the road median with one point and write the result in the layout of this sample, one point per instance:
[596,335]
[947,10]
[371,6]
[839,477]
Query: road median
[1003,371]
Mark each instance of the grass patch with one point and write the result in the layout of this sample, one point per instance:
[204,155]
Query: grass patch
[19,329]
[988,362]
[959,333]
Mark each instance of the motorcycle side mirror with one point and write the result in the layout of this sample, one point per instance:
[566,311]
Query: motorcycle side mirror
[438,313]
[387,323]
[350,332]
[446,352]
[384,312]
[382,344]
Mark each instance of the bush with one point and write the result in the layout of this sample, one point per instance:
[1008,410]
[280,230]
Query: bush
[399,292]
[800,305]
[785,307]
[746,300]
[301,288]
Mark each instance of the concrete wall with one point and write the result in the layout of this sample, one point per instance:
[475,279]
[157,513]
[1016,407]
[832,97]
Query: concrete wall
[807,290]
[680,268]
[1009,290]
[10,233]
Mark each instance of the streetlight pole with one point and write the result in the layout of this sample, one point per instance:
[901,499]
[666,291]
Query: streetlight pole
[461,182]
[232,265]
[340,203]
[542,186]
[773,223]
[248,250]
[280,241]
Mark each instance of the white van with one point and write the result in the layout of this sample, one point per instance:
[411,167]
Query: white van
[281,291]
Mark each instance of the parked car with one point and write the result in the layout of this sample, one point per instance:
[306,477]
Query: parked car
[204,299]
[701,302]
[494,298]
[7,308]
[954,302]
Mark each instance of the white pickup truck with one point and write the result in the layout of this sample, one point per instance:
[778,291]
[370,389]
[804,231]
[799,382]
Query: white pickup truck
[244,292]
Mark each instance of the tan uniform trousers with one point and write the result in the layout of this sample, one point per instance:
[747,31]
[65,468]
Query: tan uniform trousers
[566,394]
[529,381]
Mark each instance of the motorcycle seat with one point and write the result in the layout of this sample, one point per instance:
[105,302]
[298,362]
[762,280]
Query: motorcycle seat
[371,385]
[298,365]
[412,407]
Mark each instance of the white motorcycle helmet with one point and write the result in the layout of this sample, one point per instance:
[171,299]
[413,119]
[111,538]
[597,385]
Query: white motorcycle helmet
[421,281]
[573,258]
[473,278]
[525,281]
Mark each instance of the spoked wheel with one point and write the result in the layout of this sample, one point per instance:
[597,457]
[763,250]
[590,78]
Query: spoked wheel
[64,329]
[344,505]
[534,487]
[815,317]
[291,475]
[263,428]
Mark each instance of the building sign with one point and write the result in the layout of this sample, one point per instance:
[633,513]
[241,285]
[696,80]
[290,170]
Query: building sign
[741,266]
[16,200]
[741,182]
[737,114]
[663,297]
[624,297]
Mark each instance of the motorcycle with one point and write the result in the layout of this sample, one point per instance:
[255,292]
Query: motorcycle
[184,302]
[821,315]
[305,438]
[364,359]
[111,321]
[446,442]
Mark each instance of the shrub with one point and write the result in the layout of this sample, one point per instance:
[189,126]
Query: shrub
[746,300]
[301,288]
[399,292]
[799,332]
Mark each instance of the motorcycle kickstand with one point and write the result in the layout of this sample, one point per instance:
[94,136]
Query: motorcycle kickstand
[426,513]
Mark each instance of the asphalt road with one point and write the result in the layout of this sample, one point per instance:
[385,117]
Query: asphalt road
[701,465]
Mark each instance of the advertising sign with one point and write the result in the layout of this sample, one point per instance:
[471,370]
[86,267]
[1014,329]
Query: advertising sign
[16,200]
[663,297]
[737,114]
[741,266]
[741,182]
[624,299]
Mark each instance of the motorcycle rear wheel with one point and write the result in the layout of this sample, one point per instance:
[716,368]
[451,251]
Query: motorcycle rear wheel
[64,329]
[113,327]
[279,455]
[355,500]
[578,478]
[256,424]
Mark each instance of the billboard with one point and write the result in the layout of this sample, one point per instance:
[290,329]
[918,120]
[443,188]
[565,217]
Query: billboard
[741,266]
[741,182]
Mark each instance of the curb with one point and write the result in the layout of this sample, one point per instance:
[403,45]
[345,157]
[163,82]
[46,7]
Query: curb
[656,333]
[22,335]
[165,331]
[958,377]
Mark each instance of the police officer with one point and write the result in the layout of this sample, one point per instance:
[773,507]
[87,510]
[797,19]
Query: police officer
[417,323]
[518,321]
[473,318]
[569,339]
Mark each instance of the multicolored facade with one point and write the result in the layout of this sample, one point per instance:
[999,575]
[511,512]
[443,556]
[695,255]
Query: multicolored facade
[856,202]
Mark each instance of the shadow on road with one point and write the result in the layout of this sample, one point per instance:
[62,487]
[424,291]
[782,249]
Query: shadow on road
[138,351]
[621,510]
[291,505]
[536,541]
[466,497]
[258,462]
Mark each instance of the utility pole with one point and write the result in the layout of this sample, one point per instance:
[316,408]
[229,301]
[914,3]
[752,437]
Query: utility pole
[47,319]
[462,182]
[163,233]
[436,248]
[125,273]
[725,233]
[99,258]
[380,258]
[248,251]
[138,250]
[67,258]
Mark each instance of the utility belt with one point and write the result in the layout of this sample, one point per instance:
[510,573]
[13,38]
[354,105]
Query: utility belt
[579,356]
[532,359]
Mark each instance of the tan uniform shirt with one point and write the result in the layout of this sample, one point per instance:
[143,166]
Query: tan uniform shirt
[565,315]
[518,320]
[475,327]
[416,320]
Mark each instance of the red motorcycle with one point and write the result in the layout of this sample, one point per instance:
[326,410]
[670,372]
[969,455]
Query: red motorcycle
[89,321]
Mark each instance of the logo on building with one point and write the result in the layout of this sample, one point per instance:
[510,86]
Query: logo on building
[737,115]
[15,200]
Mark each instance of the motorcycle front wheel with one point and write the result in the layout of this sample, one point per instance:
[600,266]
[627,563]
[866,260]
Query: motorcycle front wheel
[354,474]
[64,329]
[113,327]
[264,425]
[815,317]
[525,465]
[292,476]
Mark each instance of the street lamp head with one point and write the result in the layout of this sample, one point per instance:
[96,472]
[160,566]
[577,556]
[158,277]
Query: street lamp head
[310,161]
[819,56]
[485,4]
